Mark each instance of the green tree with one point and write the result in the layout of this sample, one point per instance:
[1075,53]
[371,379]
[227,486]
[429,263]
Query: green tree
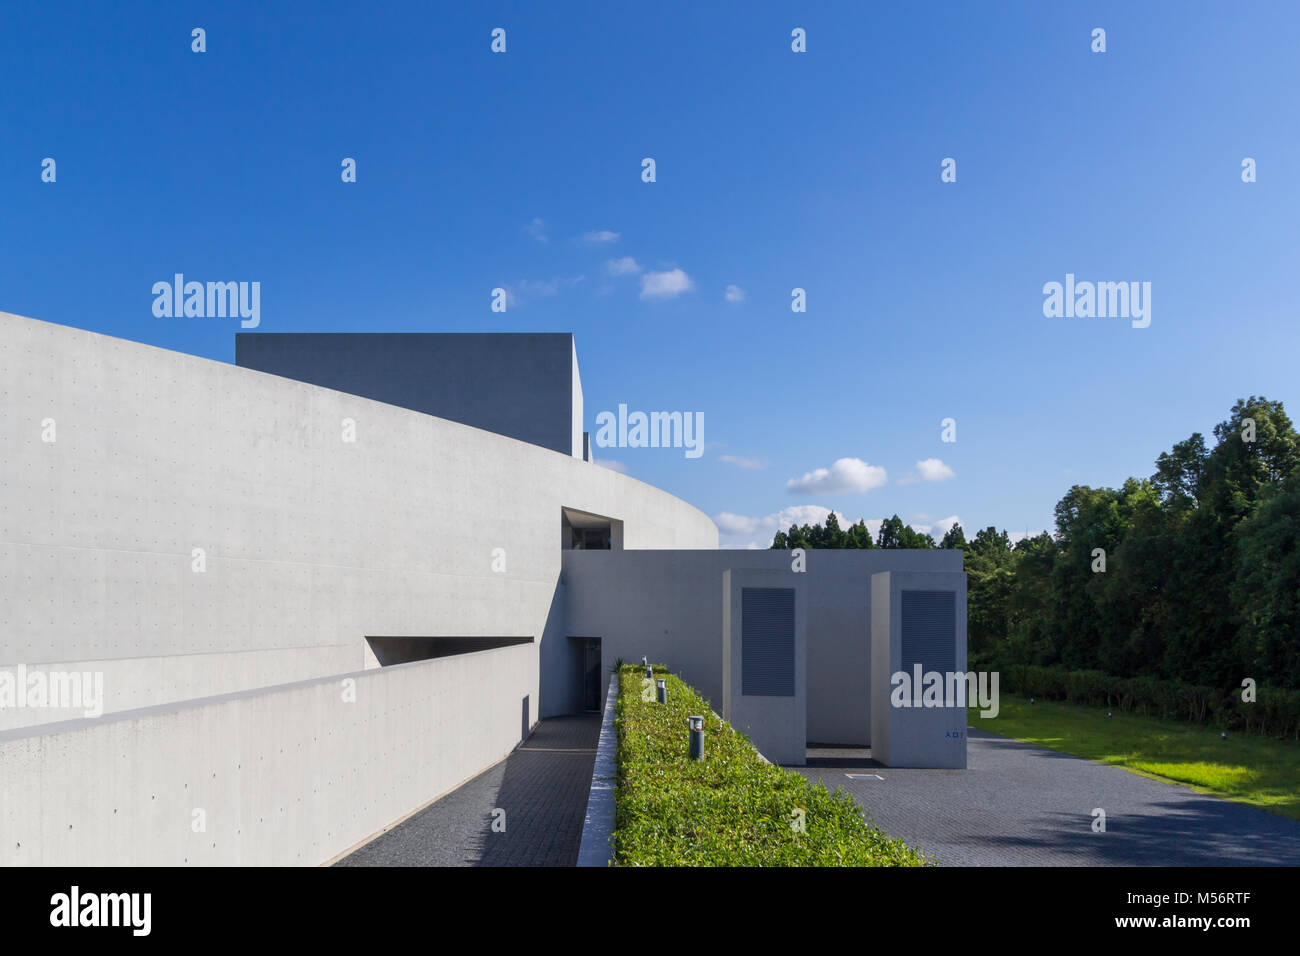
[1128,596]
[912,538]
[1266,589]
[953,538]
[859,536]
[988,562]
[1238,468]
[829,535]
[890,534]
[833,537]
[796,537]
[1030,598]
[1206,638]
[1180,474]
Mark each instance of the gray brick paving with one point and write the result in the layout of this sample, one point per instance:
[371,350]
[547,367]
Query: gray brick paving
[542,786]
[1021,805]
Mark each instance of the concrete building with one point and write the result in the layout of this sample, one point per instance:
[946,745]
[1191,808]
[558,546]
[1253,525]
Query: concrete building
[320,587]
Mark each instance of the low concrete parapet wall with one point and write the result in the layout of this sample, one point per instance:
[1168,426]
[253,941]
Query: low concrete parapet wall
[598,826]
[130,683]
[288,775]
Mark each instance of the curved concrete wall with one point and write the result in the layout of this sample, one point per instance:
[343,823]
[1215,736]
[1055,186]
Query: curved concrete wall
[311,542]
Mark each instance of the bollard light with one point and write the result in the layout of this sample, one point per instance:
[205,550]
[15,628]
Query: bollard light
[649,671]
[697,737]
[661,690]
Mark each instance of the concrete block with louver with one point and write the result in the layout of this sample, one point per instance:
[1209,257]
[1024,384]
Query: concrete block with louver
[764,671]
[918,627]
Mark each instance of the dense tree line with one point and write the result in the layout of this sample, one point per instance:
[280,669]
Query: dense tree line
[1191,574]
[893,534]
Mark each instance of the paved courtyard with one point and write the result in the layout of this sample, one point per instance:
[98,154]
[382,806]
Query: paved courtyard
[542,787]
[1021,805]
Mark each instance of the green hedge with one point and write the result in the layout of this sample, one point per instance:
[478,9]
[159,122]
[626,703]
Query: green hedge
[730,809]
[1274,712]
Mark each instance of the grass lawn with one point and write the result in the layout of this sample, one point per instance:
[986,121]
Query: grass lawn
[1260,771]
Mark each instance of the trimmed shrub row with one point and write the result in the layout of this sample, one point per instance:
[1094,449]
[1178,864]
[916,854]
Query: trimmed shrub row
[1275,712]
[730,809]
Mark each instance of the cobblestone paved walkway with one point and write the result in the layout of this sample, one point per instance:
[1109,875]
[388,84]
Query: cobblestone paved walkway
[542,787]
[1021,805]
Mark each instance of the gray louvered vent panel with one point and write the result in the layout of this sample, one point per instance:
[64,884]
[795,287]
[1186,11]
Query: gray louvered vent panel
[930,630]
[767,642]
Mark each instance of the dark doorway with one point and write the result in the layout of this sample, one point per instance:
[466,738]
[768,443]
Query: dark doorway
[581,531]
[591,675]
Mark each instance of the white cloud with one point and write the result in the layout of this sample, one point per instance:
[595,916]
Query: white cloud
[846,474]
[539,289]
[935,529]
[601,235]
[1017,536]
[749,464]
[530,288]
[537,229]
[665,285]
[942,526]
[621,267]
[612,465]
[735,294]
[930,469]
[729,523]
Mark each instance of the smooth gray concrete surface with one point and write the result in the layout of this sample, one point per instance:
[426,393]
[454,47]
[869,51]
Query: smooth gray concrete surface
[913,736]
[541,787]
[524,385]
[668,605]
[284,776]
[194,531]
[309,542]
[1021,805]
[777,726]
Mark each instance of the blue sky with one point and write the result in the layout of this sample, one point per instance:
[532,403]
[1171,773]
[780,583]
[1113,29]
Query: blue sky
[775,170]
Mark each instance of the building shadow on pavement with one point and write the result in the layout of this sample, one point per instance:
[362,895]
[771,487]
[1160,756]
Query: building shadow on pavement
[542,800]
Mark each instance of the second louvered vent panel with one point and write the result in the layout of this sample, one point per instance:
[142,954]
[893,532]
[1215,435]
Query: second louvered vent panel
[929,631]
